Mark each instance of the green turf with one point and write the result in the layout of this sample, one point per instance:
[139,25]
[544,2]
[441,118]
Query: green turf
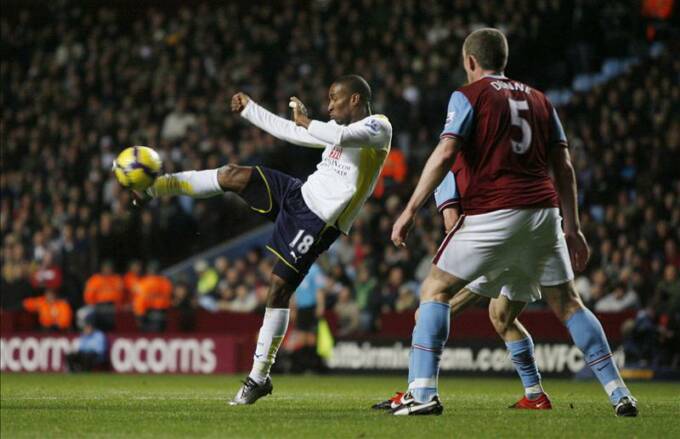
[310,406]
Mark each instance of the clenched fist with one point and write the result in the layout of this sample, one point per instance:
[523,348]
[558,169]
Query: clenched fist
[239,102]
[299,112]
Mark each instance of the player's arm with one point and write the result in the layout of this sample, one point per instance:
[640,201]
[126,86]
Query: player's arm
[458,126]
[277,126]
[565,183]
[447,199]
[435,170]
[451,216]
[373,132]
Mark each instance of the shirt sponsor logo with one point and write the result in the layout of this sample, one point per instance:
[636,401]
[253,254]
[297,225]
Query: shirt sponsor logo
[450,116]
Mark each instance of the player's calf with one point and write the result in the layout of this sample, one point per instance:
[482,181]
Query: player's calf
[588,335]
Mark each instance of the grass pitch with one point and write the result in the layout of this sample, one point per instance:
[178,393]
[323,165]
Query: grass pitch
[317,407]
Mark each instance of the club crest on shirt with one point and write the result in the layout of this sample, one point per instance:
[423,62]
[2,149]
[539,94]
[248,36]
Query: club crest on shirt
[335,153]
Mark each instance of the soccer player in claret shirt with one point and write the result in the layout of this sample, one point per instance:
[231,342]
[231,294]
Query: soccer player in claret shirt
[516,337]
[508,138]
[308,216]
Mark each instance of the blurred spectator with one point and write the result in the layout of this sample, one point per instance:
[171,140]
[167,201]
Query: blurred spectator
[206,284]
[618,300]
[668,290]
[308,298]
[244,300]
[177,123]
[385,302]
[47,274]
[406,301]
[104,293]
[92,349]
[309,306]
[347,311]
[641,340]
[131,281]
[54,314]
[185,303]
[364,288]
[104,287]
[15,286]
[153,298]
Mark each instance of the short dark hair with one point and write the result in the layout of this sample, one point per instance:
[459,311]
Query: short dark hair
[357,84]
[489,47]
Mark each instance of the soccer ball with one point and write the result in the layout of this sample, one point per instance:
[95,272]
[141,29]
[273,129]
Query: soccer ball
[137,167]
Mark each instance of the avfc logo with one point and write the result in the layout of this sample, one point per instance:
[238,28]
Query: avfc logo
[450,116]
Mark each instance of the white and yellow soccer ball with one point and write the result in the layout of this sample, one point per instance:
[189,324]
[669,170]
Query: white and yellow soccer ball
[137,167]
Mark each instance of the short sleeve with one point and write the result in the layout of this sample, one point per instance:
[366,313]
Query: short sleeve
[556,131]
[446,193]
[459,117]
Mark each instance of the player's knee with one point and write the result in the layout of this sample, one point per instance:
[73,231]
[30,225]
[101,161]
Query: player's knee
[433,295]
[279,293]
[233,177]
[564,301]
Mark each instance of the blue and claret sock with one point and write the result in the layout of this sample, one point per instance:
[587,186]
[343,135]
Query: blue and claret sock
[522,356]
[429,337]
[589,337]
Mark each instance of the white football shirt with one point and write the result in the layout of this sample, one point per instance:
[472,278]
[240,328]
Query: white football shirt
[350,165]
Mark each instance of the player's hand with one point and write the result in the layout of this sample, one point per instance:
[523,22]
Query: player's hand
[239,102]
[401,228]
[299,112]
[579,252]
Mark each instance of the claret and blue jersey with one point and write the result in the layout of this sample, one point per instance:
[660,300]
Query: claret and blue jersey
[506,130]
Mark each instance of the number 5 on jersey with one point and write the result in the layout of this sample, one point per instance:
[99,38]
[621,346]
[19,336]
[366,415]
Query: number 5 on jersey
[515,107]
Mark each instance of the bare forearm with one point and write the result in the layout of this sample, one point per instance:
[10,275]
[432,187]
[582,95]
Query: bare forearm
[565,181]
[436,168]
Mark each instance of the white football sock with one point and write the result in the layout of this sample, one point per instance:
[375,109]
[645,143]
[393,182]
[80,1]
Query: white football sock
[533,392]
[271,335]
[196,184]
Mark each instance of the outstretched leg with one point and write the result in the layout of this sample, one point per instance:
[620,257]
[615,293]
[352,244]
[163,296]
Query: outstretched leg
[202,184]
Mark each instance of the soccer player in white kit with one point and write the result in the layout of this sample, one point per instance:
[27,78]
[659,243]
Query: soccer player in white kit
[508,137]
[308,216]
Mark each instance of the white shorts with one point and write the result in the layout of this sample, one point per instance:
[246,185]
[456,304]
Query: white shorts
[521,249]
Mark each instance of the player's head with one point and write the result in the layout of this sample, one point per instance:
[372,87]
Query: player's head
[484,50]
[349,99]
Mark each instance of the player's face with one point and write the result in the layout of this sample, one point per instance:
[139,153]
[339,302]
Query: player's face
[340,104]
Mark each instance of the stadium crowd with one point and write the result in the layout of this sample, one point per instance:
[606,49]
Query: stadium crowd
[80,83]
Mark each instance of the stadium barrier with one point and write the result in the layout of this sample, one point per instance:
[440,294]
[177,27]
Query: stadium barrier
[133,353]
[223,343]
